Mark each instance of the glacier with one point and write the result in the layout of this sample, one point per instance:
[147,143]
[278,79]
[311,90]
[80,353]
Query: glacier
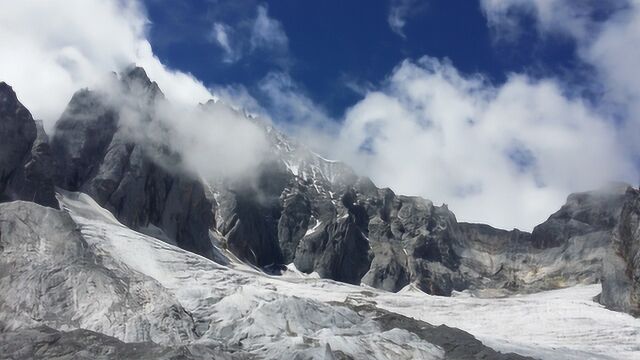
[238,309]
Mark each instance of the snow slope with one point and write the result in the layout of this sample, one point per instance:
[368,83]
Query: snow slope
[279,317]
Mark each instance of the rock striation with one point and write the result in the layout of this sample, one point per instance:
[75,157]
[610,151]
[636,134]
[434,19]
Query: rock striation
[48,271]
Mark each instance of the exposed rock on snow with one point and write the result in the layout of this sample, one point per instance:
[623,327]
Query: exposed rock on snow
[49,275]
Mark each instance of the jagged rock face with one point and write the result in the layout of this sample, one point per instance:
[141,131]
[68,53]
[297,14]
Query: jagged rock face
[293,223]
[50,276]
[390,241]
[299,208]
[621,278]
[250,211]
[567,249]
[493,257]
[343,227]
[338,251]
[25,160]
[412,242]
[18,132]
[81,137]
[98,154]
[582,214]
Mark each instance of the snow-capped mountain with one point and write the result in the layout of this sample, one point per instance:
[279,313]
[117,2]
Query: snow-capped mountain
[113,246]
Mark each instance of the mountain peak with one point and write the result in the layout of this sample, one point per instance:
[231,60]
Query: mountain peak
[4,88]
[136,73]
[136,79]
[8,97]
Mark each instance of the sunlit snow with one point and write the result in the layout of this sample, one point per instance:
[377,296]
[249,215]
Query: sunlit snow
[275,314]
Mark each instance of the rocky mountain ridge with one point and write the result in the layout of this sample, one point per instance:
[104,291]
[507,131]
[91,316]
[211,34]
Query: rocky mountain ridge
[314,213]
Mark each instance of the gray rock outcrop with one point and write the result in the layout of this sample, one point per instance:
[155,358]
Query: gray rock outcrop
[26,171]
[50,276]
[621,277]
[303,209]
[46,343]
[139,181]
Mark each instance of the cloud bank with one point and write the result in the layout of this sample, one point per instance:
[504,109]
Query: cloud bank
[506,154]
[51,49]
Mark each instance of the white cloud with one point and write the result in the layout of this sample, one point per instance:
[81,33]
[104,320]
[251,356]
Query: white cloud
[259,34]
[289,104]
[268,32]
[607,36]
[215,140]
[52,48]
[220,35]
[238,97]
[504,16]
[614,52]
[399,12]
[505,155]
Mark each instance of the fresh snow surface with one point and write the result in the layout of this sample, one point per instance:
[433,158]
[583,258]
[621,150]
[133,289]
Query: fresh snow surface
[293,272]
[293,167]
[275,316]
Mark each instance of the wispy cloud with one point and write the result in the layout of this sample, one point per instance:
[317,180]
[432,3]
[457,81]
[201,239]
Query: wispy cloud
[288,102]
[49,51]
[506,155]
[400,11]
[69,50]
[607,38]
[220,34]
[258,34]
[267,32]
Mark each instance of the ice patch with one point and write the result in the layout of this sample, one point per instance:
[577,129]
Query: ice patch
[313,229]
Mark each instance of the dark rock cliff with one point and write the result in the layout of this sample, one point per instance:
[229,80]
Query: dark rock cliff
[25,160]
[621,278]
[98,154]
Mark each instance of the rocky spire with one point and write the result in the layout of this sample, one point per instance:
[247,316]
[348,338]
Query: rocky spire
[25,166]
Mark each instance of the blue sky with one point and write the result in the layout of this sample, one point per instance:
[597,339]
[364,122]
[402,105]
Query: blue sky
[499,108]
[334,46]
